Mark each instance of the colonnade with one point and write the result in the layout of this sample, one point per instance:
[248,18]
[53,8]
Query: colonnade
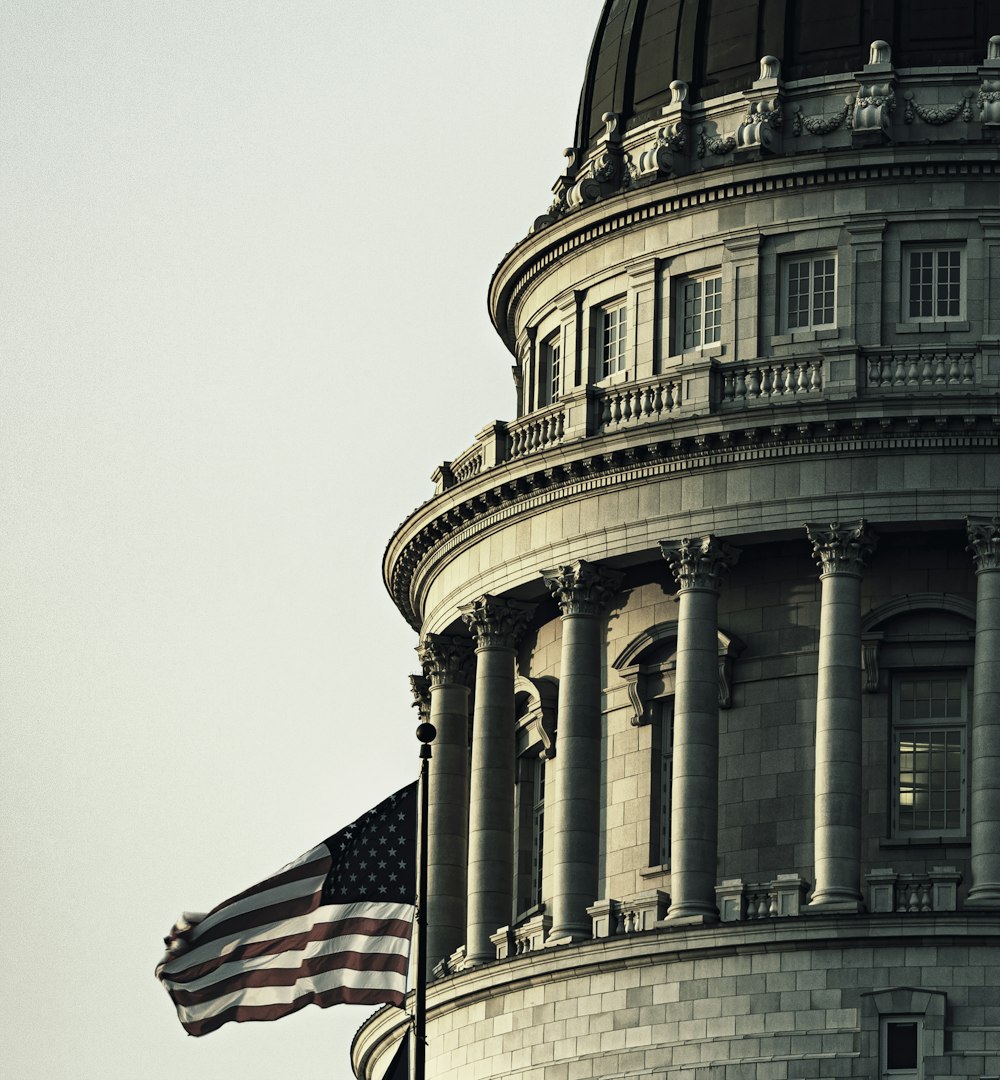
[471,824]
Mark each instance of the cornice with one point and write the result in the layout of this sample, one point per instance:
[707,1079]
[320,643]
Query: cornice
[636,208]
[573,471]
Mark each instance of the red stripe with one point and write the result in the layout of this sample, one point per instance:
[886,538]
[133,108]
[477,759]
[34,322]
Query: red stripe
[339,995]
[320,865]
[259,918]
[319,931]
[289,976]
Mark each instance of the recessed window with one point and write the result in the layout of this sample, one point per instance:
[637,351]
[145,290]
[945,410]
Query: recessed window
[934,284]
[552,371]
[614,332]
[529,816]
[929,734]
[661,780]
[900,1040]
[809,292]
[699,311]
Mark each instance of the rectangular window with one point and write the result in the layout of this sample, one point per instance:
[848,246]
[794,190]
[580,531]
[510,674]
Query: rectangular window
[614,330]
[900,1039]
[537,830]
[661,781]
[929,755]
[809,292]
[529,831]
[553,371]
[699,312]
[934,284]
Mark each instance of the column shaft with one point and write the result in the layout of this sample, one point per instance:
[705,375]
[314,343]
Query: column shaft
[842,552]
[573,795]
[984,729]
[699,566]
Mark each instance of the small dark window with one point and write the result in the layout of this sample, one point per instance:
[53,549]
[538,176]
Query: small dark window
[901,1045]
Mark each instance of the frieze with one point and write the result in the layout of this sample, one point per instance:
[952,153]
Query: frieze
[675,454]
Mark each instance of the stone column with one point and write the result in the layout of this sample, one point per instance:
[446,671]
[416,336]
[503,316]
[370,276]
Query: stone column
[446,662]
[573,795]
[842,552]
[984,729]
[699,566]
[496,625]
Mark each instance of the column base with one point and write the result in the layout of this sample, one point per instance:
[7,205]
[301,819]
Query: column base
[985,896]
[568,936]
[690,915]
[835,906]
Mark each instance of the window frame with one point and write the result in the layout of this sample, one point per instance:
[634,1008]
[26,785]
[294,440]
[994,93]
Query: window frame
[906,300]
[529,833]
[944,725]
[612,337]
[697,338]
[905,1073]
[810,259]
[661,780]
[550,388]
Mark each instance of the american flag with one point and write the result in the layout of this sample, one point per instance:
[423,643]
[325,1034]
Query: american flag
[333,926]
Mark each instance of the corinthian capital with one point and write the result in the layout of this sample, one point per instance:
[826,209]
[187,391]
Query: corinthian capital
[496,623]
[842,549]
[445,659]
[581,588]
[984,542]
[701,563]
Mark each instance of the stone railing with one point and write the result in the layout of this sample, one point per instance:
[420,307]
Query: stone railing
[468,464]
[636,403]
[767,381]
[922,369]
[742,901]
[537,431]
[613,918]
[527,937]
[936,890]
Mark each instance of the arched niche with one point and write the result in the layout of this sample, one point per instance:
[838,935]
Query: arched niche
[652,657]
[917,630]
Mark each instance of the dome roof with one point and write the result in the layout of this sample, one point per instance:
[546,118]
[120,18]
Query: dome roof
[715,46]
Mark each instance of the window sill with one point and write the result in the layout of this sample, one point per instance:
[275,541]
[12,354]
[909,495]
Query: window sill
[925,841]
[797,337]
[717,348]
[930,326]
[655,871]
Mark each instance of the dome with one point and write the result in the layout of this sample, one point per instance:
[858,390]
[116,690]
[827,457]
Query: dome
[641,46]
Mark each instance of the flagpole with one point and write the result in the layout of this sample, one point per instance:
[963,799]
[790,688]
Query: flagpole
[425,733]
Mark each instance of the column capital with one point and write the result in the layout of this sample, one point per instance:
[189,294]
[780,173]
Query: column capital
[495,622]
[984,542]
[700,563]
[582,588]
[420,687]
[842,548]
[446,659]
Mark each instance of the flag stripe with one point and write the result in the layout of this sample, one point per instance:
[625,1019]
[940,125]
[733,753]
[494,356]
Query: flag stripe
[345,960]
[341,995]
[322,937]
[391,919]
[305,867]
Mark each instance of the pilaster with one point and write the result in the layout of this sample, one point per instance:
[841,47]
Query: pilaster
[984,732]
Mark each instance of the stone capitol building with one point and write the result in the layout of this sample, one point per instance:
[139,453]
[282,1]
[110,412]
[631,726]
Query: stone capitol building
[710,632]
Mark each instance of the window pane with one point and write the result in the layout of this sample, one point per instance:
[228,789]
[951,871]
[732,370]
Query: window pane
[798,295]
[901,1045]
[713,310]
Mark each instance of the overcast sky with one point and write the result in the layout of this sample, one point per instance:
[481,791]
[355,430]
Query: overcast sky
[246,247]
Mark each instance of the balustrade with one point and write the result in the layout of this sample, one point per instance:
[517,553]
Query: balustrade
[914,894]
[742,901]
[766,381]
[921,369]
[536,432]
[637,403]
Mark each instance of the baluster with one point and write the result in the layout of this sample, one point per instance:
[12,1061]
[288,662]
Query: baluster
[754,381]
[815,375]
[657,405]
[940,374]
[912,377]
[954,372]
[968,374]
[649,401]
[874,371]
[728,385]
[927,370]
[803,383]
[914,901]
[925,897]
[606,411]
[777,380]
[763,904]
[740,390]
[560,425]
[772,907]
[766,382]
[898,370]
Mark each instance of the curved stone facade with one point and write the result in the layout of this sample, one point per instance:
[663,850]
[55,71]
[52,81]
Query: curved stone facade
[721,606]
